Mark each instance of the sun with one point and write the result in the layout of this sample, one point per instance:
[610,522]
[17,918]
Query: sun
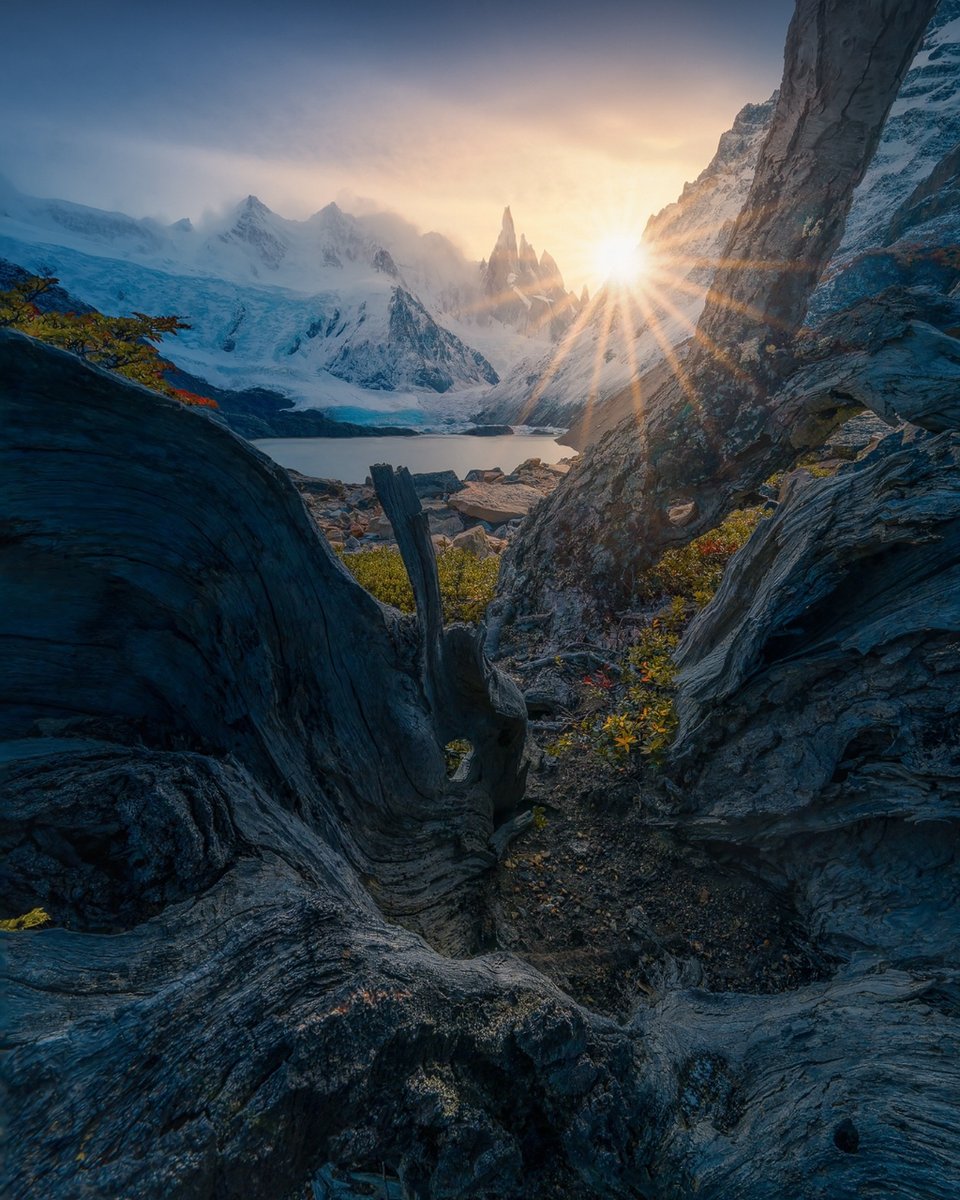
[620,258]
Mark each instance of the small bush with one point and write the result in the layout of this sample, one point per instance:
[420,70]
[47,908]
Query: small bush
[31,920]
[694,571]
[644,719]
[467,582]
[382,573]
[125,345]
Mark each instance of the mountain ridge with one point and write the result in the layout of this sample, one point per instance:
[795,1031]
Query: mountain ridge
[361,315]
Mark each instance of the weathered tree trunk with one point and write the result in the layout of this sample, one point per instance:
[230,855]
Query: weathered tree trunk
[187,615]
[711,433]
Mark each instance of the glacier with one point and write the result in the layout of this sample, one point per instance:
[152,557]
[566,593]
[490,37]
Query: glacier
[318,311]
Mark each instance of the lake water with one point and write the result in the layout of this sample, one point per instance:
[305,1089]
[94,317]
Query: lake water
[349,459]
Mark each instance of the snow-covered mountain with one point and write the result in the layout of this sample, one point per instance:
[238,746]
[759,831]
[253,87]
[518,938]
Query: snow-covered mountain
[320,310]
[622,332]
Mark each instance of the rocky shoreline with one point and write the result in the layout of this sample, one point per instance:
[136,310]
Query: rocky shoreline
[480,513]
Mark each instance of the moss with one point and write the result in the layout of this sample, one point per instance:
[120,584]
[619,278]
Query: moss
[694,571]
[467,582]
[35,918]
[638,717]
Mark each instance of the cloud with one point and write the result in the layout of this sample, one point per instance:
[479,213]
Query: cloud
[584,120]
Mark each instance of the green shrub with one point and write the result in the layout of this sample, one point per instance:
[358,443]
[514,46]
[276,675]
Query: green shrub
[467,582]
[121,344]
[382,573]
[694,571]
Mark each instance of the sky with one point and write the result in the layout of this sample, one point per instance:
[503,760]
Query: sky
[585,117]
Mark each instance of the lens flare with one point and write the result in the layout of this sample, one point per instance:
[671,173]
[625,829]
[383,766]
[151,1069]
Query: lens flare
[621,258]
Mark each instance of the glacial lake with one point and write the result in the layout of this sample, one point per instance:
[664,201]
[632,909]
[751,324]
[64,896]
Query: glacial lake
[349,459]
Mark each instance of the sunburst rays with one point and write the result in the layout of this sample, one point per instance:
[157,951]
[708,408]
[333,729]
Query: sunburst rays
[657,294]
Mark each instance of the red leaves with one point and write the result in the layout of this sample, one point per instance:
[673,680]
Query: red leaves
[193,399]
[599,679]
[714,547]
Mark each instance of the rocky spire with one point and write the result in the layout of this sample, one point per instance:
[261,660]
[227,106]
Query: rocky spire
[503,266]
[550,273]
[527,257]
[507,241]
[526,291]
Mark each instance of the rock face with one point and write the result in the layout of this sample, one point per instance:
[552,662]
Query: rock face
[905,215]
[908,182]
[825,130]
[712,433]
[845,607]
[820,721]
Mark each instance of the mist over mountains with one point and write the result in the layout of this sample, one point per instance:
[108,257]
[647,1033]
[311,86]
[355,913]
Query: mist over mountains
[342,312]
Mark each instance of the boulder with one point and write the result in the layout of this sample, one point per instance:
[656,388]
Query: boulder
[494,502]
[436,483]
[682,514]
[475,540]
[445,522]
[380,527]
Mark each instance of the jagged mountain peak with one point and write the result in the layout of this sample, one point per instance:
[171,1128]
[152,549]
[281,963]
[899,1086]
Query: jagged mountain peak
[329,212]
[251,225]
[547,262]
[524,291]
[507,241]
[253,204]
[550,272]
